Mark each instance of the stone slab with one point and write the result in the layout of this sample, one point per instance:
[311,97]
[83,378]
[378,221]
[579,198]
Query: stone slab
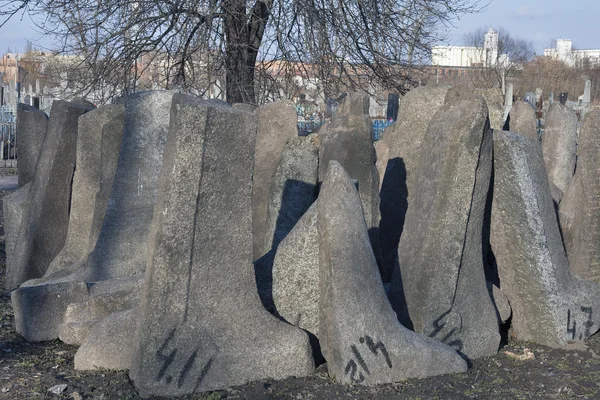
[31,129]
[522,119]
[559,145]
[13,205]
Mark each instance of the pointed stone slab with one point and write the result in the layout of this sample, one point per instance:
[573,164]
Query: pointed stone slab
[359,334]
[559,145]
[201,325]
[578,212]
[277,123]
[43,231]
[31,129]
[493,98]
[121,246]
[550,306]
[441,275]
[522,119]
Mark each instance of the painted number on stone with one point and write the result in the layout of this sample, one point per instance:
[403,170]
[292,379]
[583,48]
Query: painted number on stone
[572,328]
[167,373]
[358,360]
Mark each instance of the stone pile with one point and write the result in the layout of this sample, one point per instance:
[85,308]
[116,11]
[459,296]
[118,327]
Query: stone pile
[202,246]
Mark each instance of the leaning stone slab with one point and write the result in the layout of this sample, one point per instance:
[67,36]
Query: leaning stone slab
[31,129]
[493,98]
[296,274]
[201,324]
[578,212]
[277,123]
[404,140]
[559,145]
[522,119]
[549,305]
[13,205]
[359,334]
[43,231]
[120,250]
[441,277]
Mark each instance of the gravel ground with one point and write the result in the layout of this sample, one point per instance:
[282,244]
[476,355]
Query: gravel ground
[33,370]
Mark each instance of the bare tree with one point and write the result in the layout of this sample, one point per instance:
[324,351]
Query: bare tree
[249,47]
[513,53]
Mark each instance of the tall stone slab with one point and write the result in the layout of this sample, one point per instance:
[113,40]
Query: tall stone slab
[404,140]
[359,334]
[493,98]
[441,281]
[201,324]
[277,123]
[587,92]
[579,219]
[120,250]
[13,205]
[559,145]
[98,145]
[348,140]
[31,129]
[354,103]
[293,188]
[43,230]
[550,306]
[522,119]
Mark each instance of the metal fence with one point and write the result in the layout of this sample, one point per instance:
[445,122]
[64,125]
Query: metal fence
[8,137]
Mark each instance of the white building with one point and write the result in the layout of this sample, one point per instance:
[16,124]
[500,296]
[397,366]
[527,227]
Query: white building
[470,56]
[573,58]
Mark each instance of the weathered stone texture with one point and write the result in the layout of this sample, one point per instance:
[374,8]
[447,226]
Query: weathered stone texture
[31,129]
[441,275]
[201,323]
[559,145]
[359,334]
[522,119]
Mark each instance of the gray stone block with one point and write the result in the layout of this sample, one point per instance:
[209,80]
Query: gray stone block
[31,129]
[43,231]
[277,123]
[359,334]
[493,98]
[296,274]
[559,145]
[354,103]
[109,344]
[13,205]
[439,288]
[578,212]
[404,139]
[522,119]
[348,140]
[201,324]
[550,306]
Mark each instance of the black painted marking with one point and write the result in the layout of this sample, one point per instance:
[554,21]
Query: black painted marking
[360,359]
[589,323]
[166,359]
[203,373]
[439,324]
[186,368]
[166,363]
[377,347]
[569,330]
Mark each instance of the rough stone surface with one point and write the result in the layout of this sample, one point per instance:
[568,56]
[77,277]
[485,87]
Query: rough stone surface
[501,302]
[13,205]
[559,145]
[354,103]
[277,123]
[549,305]
[296,274]
[404,141]
[522,119]
[31,129]
[493,98]
[43,231]
[201,325]
[578,212]
[110,343]
[98,145]
[359,334]
[293,188]
[441,275]
[120,250]
[382,152]
[348,140]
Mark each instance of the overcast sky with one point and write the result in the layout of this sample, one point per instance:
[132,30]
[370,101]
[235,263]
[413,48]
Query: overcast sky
[537,20]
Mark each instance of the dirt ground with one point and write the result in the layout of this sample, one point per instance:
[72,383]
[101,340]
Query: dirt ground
[29,370]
